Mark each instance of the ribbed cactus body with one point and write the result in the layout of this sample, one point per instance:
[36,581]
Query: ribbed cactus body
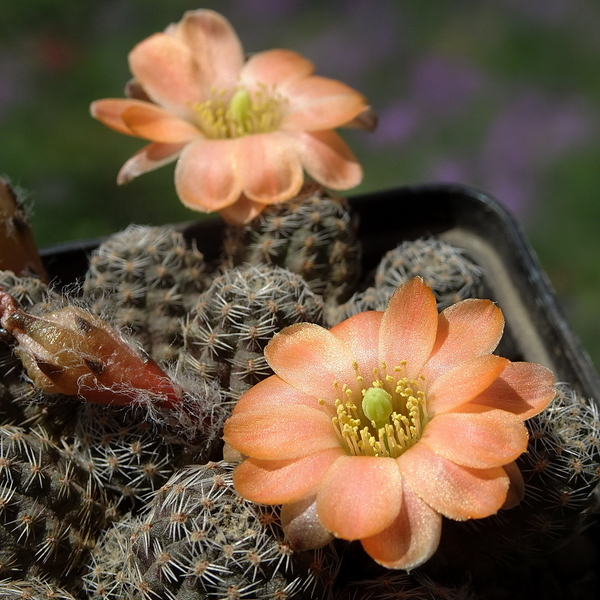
[447,270]
[33,589]
[198,540]
[27,291]
[50,510]
[144,280]
[235,319]
[130,453]
[313,235]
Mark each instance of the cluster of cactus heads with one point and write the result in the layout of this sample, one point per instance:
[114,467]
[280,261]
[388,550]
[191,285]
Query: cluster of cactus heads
[113,399]
[145,280]
[235,318]
[313,235]
[446,269]
[51,511]
[198,538]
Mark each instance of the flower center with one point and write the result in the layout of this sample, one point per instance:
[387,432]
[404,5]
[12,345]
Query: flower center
[390,417]
[244,114]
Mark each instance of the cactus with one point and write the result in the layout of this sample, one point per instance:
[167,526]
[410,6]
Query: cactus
[27,291]
[50,510]
[33,589]
[236,317]
[393,585]
[199,539]
[447,270]
[144,280]
[313,235]
[133,452]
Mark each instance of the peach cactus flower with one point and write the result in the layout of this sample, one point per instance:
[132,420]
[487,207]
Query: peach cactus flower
[242,130]
[389,421]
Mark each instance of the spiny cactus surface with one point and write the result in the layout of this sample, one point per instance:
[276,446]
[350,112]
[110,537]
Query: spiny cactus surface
[50,510]
[446,269]
[132,452]
[198,540]
[313,235]
[33,589]
[144,280]
[235,319]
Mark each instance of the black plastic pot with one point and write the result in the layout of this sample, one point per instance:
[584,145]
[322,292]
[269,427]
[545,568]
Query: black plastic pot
[459,215]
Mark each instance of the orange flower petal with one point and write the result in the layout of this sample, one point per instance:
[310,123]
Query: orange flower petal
[283,481]
[284,432]
[328,159]
[455,491]
[242,211]
[361,334]
[205,176]
[317,103]
[275,68]
[158,125]
[359,496]
[489,438]
[516,490]
[408,327]
[268,167]
[273,392]
[411,539]
[110,113]
[465,330]
[524,389]
[147,159]
[215,48]
[165,68]
[311,359]
[463,383]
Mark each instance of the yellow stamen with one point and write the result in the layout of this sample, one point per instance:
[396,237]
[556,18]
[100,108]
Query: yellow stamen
[247,112]
[389,419]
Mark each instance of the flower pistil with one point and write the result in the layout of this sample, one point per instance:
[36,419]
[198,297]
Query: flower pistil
[244,114]
[389,420]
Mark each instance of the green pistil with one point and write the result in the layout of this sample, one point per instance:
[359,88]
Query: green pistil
[377,406]
[389,420]
[244,114]
[240,106]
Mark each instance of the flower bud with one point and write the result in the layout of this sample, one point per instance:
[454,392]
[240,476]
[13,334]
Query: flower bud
[72,352]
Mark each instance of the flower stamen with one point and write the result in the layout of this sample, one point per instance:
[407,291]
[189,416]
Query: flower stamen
[246,113]
[389,420]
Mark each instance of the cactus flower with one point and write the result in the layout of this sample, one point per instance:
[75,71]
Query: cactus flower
[242,130]
[387,422]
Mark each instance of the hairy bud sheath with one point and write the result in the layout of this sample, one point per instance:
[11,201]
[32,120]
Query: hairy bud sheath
[73,352]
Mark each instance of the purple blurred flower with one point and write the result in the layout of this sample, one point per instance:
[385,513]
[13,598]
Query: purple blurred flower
[527,136]
[533,130]
[361,40]
[442,85]
[439,87]
[450,170]
[397,124]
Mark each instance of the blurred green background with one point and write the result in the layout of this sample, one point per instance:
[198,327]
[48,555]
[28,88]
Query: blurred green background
[502,95]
